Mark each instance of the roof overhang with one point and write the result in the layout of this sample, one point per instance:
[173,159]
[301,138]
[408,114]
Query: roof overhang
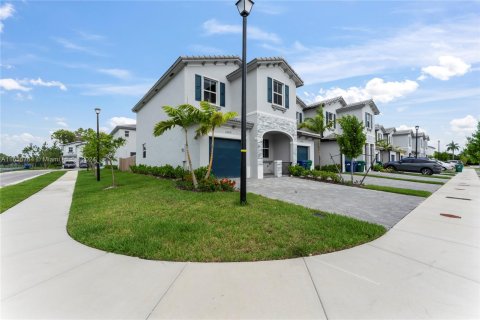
[302,133]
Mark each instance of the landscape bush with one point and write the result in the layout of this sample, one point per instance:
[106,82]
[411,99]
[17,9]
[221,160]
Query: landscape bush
[299,171]
[377,167]
[166,171]
[107,166]
[331,168]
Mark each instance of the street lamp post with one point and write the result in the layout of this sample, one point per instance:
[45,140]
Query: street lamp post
[97,111]
[438,150]
[244,7]
[416,141]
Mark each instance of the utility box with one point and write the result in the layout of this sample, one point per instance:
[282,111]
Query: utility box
[277,168]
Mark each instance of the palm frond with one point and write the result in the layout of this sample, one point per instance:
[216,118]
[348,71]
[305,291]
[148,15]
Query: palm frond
[163,126]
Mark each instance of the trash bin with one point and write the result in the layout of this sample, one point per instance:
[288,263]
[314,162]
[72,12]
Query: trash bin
[458,167]
[348,165]
[302,163]
[360,166]
[308,164]
[27,166]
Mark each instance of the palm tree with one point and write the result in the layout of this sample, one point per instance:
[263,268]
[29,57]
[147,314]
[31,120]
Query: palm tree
[383,145]
[453,147]
[183,116]
[317,125]
[211,120]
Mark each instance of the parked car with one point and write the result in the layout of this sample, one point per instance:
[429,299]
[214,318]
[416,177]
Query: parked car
[83,165]
[446,165]
[69,165]
[454,162]
[423,165]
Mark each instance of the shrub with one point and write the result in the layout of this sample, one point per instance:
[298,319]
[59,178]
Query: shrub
[324,175]
[297,171]
[377,167]
[331,168]
[316,173]
[207,185]
[335,177]
[387,170]
[227,184]
[115,167]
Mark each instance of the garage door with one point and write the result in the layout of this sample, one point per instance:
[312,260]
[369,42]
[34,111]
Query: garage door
[302,153]
[226,158]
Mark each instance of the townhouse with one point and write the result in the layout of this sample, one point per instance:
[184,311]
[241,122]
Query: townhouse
[410,144]
[73,152]
[384,137]
[127,132]
[273,141]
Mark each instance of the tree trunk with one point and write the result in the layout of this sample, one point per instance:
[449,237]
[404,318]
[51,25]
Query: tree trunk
[192,172]
[351,170]
[319,159]
[210,163]
[113,175]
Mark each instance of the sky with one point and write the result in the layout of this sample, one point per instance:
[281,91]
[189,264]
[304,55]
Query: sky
[418,60]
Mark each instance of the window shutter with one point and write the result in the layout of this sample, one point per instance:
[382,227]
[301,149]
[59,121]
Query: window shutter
[334,121]
[269,89]
[287,97]
[366,120]
[222,94]
[198,87]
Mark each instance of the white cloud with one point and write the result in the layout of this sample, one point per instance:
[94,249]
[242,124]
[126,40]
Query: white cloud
[90,36]
[40,82]
[61,122]
[11,84]
[376,89]
[118,73]
[213,27]
[12,144]
[415,46]
[23,97]
[118,121]
[108,89]
[405,127]
[6,11]
[467,124]
[448,66]
[70,45]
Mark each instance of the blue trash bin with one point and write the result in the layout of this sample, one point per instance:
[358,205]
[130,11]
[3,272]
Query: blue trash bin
[348,165]
[302,163]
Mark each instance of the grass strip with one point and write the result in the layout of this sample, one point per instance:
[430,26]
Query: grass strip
[420,175]
[401,179]
[409,192]
[12,195]
[150,218]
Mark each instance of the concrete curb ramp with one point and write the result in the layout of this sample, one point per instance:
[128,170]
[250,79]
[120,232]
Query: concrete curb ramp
[427,266]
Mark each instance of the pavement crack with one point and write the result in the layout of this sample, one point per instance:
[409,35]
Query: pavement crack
[316,289]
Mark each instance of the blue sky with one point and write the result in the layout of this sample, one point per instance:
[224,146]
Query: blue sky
[418,60]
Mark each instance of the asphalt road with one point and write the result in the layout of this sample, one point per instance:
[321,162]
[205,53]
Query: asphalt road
[13,177]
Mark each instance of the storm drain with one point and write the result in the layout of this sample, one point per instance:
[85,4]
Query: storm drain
[319,215]
[459,189]
[458,198]
[448,215]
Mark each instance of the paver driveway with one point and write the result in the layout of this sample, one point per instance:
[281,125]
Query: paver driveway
[374,206]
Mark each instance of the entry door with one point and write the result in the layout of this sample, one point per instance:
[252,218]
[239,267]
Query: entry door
[302,153]
[226,158]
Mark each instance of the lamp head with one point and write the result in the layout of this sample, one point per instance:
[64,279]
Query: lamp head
[417,127]
[244,7]
[97,110]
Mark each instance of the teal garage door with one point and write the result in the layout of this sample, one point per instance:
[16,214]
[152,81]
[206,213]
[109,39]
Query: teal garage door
[302,153]
[226,158]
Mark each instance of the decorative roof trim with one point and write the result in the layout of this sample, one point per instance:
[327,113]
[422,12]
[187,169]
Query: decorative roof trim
[301,103]
[308,134]
[360,104]
[327,101]
[236,122]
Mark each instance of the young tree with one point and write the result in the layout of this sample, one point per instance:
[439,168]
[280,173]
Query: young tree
[383,145]
[452,146]
[317,125]
[212,119]
[183,116]
[472,148]
[64,136]
[353,138]
[31,152]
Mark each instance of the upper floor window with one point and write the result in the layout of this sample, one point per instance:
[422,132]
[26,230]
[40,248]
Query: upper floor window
[210,88]
[368,120]
[277,92]
[70,149]
[331,118]
[127,133]
[144,149]
[389,139]
[409,141]
[266,148]
[379,136]
[299,117]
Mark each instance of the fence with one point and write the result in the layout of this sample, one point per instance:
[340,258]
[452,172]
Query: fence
[125,163]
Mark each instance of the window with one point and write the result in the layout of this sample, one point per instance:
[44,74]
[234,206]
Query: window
[277,93]
[331,118]
[299,117]
[392,157]
[409,141]
[368,121]
[144,147]
[70,149]
[127,133]
[210,90]
[266,150]
[389,139]
[132,154]
[379,136]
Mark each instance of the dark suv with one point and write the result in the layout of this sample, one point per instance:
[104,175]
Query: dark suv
[422,165]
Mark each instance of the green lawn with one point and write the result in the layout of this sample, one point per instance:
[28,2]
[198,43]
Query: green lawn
[400,179]
[438,176]
[410,192]
[11,195]
[150,218]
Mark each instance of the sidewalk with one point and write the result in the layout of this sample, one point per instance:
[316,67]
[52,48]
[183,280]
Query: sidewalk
[427,266]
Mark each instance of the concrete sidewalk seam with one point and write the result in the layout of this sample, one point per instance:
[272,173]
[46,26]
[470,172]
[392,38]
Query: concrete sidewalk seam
[424,263]
[34,249]
[316,289]
[166,291]
[437,238]
[53,277]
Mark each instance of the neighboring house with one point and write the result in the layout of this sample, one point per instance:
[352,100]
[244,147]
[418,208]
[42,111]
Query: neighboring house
[127,132]
[403,139]
[423,139]
[73,152]
[386,135]
[334,109]
[431,151]
[272,105]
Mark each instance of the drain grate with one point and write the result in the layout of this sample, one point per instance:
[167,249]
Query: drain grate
[458,198]
[319,215]
[459,189]
[464,185]
[449,215]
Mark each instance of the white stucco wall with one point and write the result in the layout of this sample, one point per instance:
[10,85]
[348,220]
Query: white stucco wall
[130,143]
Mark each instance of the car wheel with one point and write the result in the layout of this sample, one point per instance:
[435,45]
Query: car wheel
[427,171]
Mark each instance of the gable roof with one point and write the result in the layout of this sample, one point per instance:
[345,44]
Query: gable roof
[379,127]
[360,104]
[402,132]
[327,101]
[301,103]
[176,67]
[274,61]
[132,127]
[390,130]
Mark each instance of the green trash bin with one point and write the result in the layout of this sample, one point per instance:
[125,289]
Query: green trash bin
[360,166]
[458,167]
[308,164]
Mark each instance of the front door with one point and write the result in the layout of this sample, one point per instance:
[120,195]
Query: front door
[302,153]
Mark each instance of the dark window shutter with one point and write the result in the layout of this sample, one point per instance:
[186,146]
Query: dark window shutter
[269,89]
[301,118]
[287,97]
[334,121]
[198,87]
[222,94]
